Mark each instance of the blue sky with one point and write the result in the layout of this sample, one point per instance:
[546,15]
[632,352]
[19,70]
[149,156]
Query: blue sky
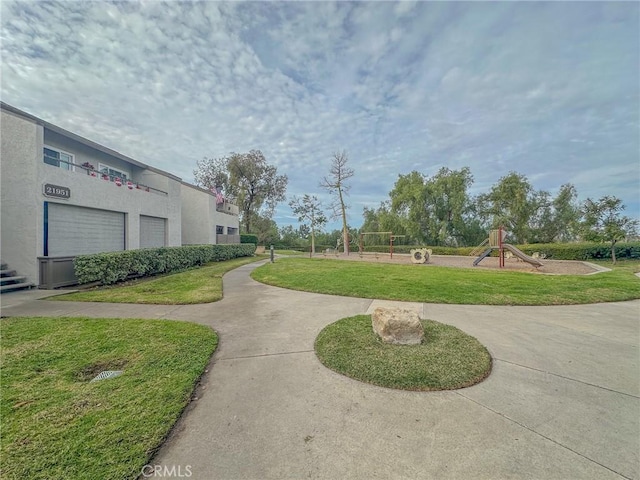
[549,90]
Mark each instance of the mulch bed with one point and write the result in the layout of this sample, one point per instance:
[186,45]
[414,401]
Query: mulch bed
[549,267]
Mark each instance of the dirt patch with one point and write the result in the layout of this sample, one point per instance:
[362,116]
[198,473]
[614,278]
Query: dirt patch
[549,267]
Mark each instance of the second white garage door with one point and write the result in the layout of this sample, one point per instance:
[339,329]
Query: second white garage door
[152,231]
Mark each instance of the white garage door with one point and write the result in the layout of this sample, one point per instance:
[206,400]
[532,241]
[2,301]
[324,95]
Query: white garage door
[152,231]
[73,230]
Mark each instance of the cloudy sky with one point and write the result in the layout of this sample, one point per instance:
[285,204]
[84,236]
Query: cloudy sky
[549,90]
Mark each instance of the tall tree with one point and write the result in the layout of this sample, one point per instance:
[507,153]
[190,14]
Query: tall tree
[447,203]
[408,200]
[556,219]
[566,213]
[265,229]
[435,210]
[512,202]
[309,212]
[292,237]
[213,173]
[248,179]
[335,184]
[603,221]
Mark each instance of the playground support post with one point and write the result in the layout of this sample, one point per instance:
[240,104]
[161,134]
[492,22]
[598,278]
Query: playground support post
[501,248]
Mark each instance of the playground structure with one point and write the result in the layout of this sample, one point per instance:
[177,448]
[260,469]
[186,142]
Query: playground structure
[392,239]
[496,242]
[420,255]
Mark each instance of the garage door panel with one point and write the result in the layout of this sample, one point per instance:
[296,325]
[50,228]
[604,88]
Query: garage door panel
[152,231]
[74,230]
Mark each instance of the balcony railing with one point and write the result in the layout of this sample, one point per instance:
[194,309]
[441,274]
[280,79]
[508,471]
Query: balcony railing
[228,208]
[226,239]
[89,170]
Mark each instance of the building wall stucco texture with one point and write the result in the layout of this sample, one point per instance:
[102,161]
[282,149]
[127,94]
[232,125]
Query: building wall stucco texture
[20,207]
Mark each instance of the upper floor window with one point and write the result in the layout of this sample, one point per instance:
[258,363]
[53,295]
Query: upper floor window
[113,173]
[58,158]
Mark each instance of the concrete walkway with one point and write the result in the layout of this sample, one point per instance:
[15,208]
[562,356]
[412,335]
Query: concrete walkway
[562,402]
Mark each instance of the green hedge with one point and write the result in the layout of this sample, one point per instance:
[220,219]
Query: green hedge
[583,251]
[112,267]
[249,238]
[554,251]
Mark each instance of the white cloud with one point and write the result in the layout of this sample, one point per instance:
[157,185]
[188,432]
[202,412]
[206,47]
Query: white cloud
[400,86]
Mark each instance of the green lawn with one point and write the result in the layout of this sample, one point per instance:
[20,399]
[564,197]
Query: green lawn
[56,424]
[199,285]
[290,252]
[446,360]
[450,285]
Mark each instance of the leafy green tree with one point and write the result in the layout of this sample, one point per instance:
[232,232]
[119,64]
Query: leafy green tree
[336,184]
[383,220]
[556,219]
[434,210]
[248,179]
[309,212]
[329,239]
[603,222]
[371,220]
[211,173]
[447,203]
[292,237]
[512,203]
[266,229]
[408,201]
[566,214]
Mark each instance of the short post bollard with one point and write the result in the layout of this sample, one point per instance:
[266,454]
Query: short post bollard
[271,251]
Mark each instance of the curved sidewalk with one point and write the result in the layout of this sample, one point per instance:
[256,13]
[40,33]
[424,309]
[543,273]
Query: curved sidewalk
[563,400]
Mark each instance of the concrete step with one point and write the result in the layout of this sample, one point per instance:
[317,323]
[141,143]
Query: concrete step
[15,286]
[7,273]
[16,279]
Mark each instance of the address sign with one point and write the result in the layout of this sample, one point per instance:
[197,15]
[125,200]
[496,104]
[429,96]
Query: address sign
[56,191]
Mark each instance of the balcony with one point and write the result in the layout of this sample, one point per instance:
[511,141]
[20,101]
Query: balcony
[228,208]
[88,169]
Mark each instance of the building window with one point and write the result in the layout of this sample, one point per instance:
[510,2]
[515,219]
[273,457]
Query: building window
[113,173]
[58,158]
[232,231]
[219,229]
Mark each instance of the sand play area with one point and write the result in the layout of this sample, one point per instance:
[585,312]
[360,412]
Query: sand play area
[549,267]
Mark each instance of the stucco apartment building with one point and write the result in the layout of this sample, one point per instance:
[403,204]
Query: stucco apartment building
[63,195]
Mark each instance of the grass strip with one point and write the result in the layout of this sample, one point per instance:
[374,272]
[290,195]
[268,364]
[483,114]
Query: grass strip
[56,424]
[198,285]
[432,284]
[447,359]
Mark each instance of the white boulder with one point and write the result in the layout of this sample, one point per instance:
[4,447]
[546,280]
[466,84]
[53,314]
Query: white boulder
[397,326]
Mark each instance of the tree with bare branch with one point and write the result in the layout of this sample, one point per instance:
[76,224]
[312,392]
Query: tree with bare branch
[253,184]
[335,184]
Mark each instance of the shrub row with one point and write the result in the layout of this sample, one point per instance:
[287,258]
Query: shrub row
[248,238]
[112,267]
[583,251]
[555,251]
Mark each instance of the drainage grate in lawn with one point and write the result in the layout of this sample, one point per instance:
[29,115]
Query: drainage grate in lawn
[107,374]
